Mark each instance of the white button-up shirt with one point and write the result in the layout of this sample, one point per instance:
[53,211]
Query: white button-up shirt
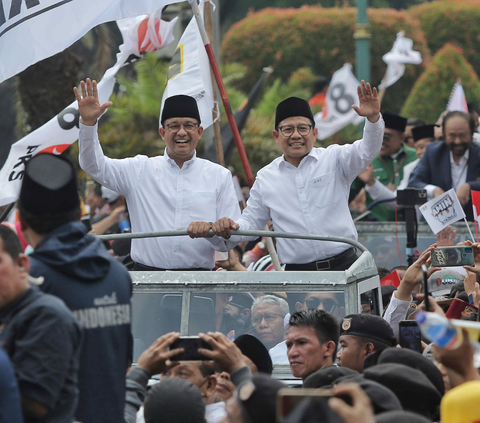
[163,197]
[311,198]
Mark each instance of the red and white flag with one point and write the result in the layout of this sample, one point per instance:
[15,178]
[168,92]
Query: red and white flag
[143,33]
[457,101]
[476,204]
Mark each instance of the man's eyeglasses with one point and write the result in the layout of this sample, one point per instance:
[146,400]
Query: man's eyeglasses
[329,304]
[463,136]
[175,127]
[269,318]
[288,130]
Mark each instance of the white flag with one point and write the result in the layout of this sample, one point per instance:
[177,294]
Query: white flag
[32,30]
[402,52]
[457,101]
[442,211]
[189,72]
[337,111]
[59,133]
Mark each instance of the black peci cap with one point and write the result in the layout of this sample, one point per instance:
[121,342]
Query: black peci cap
[253,348]
[49,185]
[293,106]
[421,132]
[396,122]
[180,106]
[327,376]
[368,326]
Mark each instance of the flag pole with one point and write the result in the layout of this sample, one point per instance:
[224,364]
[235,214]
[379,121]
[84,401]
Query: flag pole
[381,93]
[468,227]
[216,111]
[223,93]
[476,230]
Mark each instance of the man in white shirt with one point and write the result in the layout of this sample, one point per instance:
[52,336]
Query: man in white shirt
[306,190]
[171,192]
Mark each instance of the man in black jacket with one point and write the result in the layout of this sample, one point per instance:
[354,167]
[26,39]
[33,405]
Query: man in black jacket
[78,269]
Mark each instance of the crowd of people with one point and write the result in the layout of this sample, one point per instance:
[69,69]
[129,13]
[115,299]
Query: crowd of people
[67,346]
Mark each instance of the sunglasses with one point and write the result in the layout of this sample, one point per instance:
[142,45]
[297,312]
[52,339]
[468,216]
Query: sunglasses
[329,304]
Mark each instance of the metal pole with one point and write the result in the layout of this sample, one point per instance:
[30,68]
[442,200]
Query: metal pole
[362,43]
[216,111]
[223,92]
[255,234]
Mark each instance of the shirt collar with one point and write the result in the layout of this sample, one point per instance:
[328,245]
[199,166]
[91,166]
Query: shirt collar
[16,305]
[463,159]
[284,162]
[188,163]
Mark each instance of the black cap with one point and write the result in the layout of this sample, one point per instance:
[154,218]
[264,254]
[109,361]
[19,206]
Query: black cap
[401,417]
[180,106]
[395,122]
[166,401]
[414,360]
[421,132]
[415,392]
[258,398]
[368,326]
[253,348]
[312,409]
[49,185]
[241,300]
[293,106]
[383,399]
[327,376]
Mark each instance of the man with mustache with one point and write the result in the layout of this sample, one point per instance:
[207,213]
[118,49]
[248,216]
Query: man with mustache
[454,163]
[170,192]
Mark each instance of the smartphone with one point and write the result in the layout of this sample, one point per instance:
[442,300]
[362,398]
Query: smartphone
[453,256]
[303,402]
[409,335]
[87,222]
[191,344]
[425,287]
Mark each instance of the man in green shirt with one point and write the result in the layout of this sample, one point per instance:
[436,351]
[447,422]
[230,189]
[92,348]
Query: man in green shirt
[388,165]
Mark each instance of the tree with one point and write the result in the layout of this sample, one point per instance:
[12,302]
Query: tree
[429,97]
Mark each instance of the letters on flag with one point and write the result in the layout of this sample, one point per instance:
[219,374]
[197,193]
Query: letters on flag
[59,133]
[189,72]
[402,52]
[32,30]
[442,211]
[337,112]
[457,101]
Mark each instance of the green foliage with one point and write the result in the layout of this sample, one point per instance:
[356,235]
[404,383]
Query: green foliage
[430,95]
[452,21]
[322,40]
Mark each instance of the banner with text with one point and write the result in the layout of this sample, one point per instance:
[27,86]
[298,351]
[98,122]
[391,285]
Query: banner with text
[337,111]
[32,30]
[143,33]
[442,211]
[189,72]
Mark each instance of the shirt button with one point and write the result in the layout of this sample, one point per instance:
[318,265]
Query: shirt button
[178,210]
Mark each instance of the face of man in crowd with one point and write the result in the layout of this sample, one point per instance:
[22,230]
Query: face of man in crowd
[13,274]
[421,145]
[392,142]
[305,352]
[351,353]
[326,301]
[224,388]
[181,143]
[457,135]
[268,324]
[409,137]
[191,371]
[297,146]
